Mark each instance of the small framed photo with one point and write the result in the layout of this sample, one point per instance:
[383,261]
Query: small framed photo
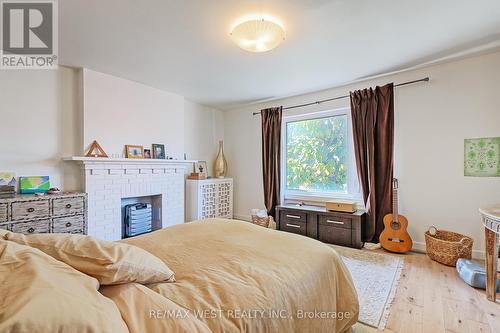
[147,153]
[158,151]
[134,151]
[201,167]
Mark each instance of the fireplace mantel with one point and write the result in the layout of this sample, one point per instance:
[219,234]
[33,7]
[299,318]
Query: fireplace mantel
[85,160]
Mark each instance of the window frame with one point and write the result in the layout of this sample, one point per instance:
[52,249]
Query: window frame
[353,188]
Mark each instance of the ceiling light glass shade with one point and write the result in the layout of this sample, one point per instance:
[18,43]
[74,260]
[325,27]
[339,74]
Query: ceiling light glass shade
[258,35]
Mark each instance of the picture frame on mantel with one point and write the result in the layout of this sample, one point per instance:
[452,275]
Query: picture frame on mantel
[133,151]
[159,151]
[201,168]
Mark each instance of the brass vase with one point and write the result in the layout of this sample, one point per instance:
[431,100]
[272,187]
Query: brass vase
[220,165]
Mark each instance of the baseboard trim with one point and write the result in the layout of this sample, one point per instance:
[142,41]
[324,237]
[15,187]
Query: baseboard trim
[418,247]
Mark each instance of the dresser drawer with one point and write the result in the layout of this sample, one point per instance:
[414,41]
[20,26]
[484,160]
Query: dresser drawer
[335,221]
[32,227]
[69,225]
[68,206]
[293,216]
[294,227]
[30,209]
[335,235]
[3,212]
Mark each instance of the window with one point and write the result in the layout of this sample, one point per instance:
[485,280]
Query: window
[318,157]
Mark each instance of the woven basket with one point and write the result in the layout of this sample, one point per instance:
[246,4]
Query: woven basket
[447,246]
[262,221]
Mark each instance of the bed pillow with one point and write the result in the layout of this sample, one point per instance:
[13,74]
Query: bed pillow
[108,262]
[41,294]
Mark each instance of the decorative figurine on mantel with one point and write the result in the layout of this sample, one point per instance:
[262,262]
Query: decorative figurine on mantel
[220,165]
[96,150]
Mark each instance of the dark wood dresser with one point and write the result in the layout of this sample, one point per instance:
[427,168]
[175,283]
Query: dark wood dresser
[345,229]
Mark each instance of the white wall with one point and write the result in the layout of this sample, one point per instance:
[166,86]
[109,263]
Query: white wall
[119,112]
[40,123]
[203,128]
[46,115]
[462,100]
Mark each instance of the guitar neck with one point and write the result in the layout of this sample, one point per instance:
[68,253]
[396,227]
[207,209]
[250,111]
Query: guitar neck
[395,212]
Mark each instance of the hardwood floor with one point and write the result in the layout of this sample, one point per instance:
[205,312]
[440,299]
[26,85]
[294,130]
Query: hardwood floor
[431,298]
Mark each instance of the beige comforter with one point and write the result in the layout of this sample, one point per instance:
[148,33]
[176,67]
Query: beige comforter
[237,277]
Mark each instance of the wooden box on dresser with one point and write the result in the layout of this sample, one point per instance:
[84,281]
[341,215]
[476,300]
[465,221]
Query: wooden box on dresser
[209,198]
[345,229]
[55,213]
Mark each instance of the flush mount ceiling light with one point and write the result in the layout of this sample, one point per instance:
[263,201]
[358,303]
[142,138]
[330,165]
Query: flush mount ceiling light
[258,35]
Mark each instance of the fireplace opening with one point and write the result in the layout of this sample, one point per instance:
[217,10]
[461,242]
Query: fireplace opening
[141,215]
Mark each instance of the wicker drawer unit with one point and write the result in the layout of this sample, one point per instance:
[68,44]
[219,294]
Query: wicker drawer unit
[32,227]
[29,210]
[59,213]
[69,225]
[68,206]
[337,228]
[3,212]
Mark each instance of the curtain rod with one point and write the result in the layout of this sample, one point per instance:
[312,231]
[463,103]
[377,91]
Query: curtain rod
[425,79]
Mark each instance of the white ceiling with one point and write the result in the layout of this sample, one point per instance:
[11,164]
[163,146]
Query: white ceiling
[183,46]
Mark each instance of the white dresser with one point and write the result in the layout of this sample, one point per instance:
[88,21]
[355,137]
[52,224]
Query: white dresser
[209,198]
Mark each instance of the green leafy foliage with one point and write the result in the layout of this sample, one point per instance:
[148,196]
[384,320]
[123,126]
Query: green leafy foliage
[316,152]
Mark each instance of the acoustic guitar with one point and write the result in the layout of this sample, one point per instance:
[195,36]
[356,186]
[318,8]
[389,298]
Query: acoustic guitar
[395,237]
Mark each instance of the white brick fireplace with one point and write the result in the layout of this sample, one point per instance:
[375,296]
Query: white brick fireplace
[108,181]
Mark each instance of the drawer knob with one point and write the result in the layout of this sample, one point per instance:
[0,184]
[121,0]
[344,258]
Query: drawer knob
[68,224]
[30,210]
[293,225]
[31,230]
[335,222]
[293,216]
[68,206]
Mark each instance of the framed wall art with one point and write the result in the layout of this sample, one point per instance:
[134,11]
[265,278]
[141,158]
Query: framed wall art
[482,157]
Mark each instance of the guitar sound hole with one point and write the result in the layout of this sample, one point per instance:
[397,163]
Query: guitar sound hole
[395,225]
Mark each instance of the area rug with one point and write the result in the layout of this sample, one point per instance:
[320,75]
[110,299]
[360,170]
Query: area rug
[375,277]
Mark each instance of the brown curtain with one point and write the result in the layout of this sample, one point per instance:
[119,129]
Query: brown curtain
[373,129]
[271,156]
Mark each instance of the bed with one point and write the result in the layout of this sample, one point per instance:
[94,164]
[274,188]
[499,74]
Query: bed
[233,276]
[232,265]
